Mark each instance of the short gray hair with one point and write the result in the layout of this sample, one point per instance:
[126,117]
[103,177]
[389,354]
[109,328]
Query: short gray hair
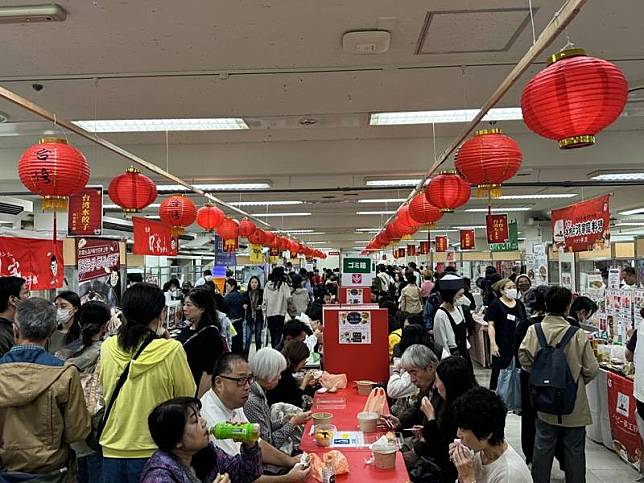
[418,356]
[267,364]
[36,319]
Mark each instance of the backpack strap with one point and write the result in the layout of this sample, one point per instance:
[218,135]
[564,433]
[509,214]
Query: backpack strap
[570,333]
[540,335]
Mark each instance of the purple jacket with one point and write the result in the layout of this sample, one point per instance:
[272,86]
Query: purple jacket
[164,467]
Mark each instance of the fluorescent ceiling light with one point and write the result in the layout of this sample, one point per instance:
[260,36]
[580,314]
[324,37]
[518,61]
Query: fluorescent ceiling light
[384,200]
[155,217]
[375,212]
[301,232]
[316,243]
[621,238]
[441,117]
[631,223]
[156,125]
[497,210]
[362,241]
[636,211]
[169,188]
[619,177]
[553,196]
[277,215]
[367,230]
[393,182]
[471,227]
[266,203]
[117,207]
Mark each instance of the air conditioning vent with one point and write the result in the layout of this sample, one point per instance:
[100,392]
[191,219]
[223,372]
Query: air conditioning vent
[9,209]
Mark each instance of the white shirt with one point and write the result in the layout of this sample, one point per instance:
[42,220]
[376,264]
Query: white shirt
[509,468]
[400,385]
[443,332]
[214,411]
[638,361]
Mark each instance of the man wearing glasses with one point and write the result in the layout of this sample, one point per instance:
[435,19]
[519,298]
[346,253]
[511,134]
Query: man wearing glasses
[231,381]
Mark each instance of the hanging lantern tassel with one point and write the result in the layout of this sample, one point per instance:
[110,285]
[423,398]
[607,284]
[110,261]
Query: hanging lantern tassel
[176,231]
[54,203]
[492,190]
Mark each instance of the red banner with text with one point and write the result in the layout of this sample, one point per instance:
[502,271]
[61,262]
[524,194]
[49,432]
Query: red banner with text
[622,414]
[153,238]
[497,228]
[38,261]
[467,240]
[584,226]
[411,250]
[85,212]
[424,247]
[441,243]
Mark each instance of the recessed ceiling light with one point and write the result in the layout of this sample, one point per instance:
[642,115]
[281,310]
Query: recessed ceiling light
[602,175]
[170,188]
[266,203]
[635,211]
[277,215]
[383,200]
[552,196]
[497,210]
[375,212]
[393,182]
[441,117]
[156,125]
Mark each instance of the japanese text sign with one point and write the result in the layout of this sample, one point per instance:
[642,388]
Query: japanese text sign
[356,265]
[467,240]
[153,238]
[85,212]
[584,226]
[497,228]
[512,244]
[622,414]
[96,258]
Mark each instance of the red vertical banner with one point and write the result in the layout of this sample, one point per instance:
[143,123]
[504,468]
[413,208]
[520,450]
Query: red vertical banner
[441,243]
[401,252]
[85,212]
[38,260]
[411,250]
[497,228]
[622,413]
[583,226]
[275,252]
[153,238]
[467,240]
[424,247]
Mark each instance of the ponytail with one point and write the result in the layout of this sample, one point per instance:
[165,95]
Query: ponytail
[142,303]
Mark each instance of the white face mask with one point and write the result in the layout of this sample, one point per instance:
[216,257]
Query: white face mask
[511,293]
[63,315]
[462,301]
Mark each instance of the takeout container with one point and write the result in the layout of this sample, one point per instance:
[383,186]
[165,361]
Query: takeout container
[324,435]
[384,457]
[367,421]
[321,418]
[365,387]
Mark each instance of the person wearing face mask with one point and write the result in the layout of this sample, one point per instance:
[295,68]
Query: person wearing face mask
[523,284]
[502,316]
[157,370]
[68,329]
[450,328]
[582,309]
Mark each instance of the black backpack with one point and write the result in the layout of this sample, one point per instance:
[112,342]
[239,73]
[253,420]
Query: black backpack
[552,387]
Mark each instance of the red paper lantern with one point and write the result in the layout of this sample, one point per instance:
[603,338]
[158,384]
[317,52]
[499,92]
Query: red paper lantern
[258,237]
[270,239]
[574,98]
[229,229]
[178,211]
[132,190]
[209,217]
[424,212]
[405,224]
[447,191]
[282,243]
[487,160]
[53,169]
[392,233]
[246,227]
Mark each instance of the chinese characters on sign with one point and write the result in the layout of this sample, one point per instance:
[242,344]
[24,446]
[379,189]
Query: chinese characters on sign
[441,243]
[85,212]
[467,240]
[356,271]
[411,250]
[356,265]
[583,226]
[497,228]
[98,261]
[424,247]
[622,413]
[512,244]
[153,238]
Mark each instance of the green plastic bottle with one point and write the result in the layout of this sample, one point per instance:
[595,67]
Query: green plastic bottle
[239,432]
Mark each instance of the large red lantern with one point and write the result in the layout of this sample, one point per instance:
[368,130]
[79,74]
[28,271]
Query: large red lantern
[422,211]
[209,217]
[246,227]
[391,231]
[132,190]
[228,229]
[487,160]
[270,239]
[447,191]
[53,169]
[178,211]
[258,237]
[574,98]
[405,224]
[282,243]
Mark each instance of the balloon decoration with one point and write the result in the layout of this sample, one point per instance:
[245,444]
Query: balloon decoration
[574,98]
[132,191]
[447,191]
[423,211]
[487,160]
[209,217]
[246,227]
[53,169]
[177,211]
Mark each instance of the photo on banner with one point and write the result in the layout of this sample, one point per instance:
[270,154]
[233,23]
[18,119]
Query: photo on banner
[584,226]
[99,264]
[37,259]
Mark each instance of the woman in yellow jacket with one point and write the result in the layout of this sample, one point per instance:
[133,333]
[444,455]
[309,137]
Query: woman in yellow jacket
[160,372]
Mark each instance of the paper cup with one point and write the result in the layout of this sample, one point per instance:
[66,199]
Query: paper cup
[321,418]
[367,422]
[365,387]
[384,459]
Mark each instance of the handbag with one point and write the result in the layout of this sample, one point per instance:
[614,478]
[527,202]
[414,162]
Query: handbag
[509,387]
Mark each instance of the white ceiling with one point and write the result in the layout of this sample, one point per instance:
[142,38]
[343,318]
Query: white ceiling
[275,62]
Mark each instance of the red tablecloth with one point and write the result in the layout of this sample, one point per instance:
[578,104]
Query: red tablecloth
[345,418]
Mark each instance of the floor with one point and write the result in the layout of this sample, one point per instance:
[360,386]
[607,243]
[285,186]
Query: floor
[602,465]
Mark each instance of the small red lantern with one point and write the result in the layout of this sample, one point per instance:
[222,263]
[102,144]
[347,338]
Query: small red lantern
[405,224]
[178,211]
[246,227]
[448,191]
[132,190]
[209,217]
[53,169]
[282,243]
[258,237]
[422,211]
[270,239]
[228,229]
[392,232]
[487,160]
[574,98]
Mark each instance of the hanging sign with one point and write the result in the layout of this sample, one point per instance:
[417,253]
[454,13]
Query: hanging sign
[98,261]
[411,250]
[85,212]
[153,238]
[38,260]
[357,271]
[441,243]
[622,413]
[255,254]
[424,247]
[467,240]
[513,241]
[584,226]
[275,252]
[497,228]
[223,256]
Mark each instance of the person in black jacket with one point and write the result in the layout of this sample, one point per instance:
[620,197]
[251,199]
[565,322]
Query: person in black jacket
[582,309]
[235,303]
[254,320]
[288,390]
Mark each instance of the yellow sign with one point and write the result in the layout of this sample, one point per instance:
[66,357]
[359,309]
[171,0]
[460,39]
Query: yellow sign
[255,254]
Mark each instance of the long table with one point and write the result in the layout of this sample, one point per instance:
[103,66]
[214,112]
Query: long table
[345,419]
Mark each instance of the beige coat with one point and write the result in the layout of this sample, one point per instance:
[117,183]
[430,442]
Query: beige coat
[581,360]
[410,299]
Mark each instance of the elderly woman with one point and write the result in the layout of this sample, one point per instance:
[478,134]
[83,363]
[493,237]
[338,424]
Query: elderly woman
[267,365]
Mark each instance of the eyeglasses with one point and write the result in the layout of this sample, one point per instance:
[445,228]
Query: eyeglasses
[241,381]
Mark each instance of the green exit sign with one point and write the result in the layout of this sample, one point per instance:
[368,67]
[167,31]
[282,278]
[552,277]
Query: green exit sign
[356,265]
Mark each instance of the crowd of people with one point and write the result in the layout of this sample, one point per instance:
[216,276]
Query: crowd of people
[89,396]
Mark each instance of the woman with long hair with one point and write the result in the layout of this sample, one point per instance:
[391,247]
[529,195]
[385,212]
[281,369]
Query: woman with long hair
[68,331]
[288,389]
[298,302]
[275,303]
[157,370]
[235,311]
[254,320]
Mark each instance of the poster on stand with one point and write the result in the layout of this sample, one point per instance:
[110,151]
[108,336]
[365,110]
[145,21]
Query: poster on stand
[355,296]
[153,238]
[85,212]
[98,262]
[354,327]
[538,271]
[622,409]
[584,226]
[38,260]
